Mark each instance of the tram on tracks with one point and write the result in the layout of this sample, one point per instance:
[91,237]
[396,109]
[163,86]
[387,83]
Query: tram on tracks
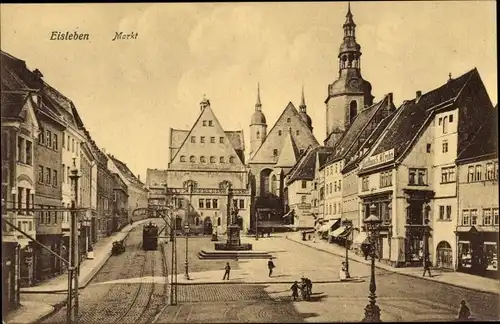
[150,236]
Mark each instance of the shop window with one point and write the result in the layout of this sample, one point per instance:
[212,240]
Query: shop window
[201,203]
[491,252]
[487,217]
[464,254]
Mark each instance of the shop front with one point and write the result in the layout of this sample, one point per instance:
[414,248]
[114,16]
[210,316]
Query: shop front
[478,250]
[379,204]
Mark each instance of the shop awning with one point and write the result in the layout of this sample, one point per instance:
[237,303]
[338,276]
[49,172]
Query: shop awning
[360,238]
[338,231]
[326,227]
[346,232]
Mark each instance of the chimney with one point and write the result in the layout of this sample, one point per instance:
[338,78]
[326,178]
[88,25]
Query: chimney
[139,177]
[390,99]
[418,95]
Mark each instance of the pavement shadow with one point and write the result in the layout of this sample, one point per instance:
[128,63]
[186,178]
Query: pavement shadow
[279,276]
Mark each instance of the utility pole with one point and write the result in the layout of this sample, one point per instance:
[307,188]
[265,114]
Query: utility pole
[73,269]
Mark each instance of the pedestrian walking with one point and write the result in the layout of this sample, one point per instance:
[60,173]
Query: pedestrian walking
[309,286]
[343,272]
[427,268]
[295,290]
[270,266]
[227,271]
[464,312]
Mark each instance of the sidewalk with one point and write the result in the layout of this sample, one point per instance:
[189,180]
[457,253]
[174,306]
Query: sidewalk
[31,311]
[458,279]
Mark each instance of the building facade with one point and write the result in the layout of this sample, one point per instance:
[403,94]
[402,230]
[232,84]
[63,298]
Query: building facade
[120,203]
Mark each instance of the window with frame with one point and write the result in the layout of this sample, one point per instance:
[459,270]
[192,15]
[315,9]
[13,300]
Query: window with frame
[221,140]
[448,175]
[212,139]
[428,148]
[495,216]
[29,153]
[215,203]
[202,139]
[304,184]
[365,183]
[478,176]
[385,179]
[20,149]
[303,199]
[192,159]
[210,123]
[445,146]
[340,185]
[473,216]
[48,139]
[183,158]
[275,152]
[495,167]
[63,140]
[221,159]
[288,120]
[201,203]
[465,218]
[487,217]
[208,204]
[422,177]
[412,176]
[41,136]
[54,178]
[55,144]
[334,208]
[448,212]
[489,171]
[193,139]
[450,118]
[445,126]
[202,159]
[48,179]
[279,133]
[470,174]
[441,212]
[242,203]
[212,159]
[297,132]
[73,145]
[204,123]
[231,159]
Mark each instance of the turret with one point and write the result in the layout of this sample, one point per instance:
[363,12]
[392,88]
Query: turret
[303,111]
[258,126]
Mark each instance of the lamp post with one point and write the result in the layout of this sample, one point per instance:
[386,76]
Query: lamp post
[186,263]
[73,259]
[372,311]
[426,233]
[348,224]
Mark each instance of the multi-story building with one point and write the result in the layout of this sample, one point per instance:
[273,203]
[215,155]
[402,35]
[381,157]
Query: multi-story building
[476,227]
[87,165]
[120,203]
[137,191]
[206,176]
[104,221]
[302,192]
[90,146]
[273,156]
[410,171]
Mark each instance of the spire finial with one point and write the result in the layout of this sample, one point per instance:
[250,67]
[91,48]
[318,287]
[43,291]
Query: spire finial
[349,8]
[449,77]
[258,105]
[302,101]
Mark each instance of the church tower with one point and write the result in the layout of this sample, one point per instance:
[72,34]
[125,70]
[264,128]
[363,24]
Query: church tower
[258,126]
[350,93]
[303,111]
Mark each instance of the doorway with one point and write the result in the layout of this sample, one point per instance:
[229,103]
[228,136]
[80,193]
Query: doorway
[444,255]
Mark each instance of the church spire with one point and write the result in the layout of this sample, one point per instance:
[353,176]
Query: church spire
[303,106]
[258,105]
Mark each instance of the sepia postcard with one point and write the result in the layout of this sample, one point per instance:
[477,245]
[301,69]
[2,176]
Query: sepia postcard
[253,162]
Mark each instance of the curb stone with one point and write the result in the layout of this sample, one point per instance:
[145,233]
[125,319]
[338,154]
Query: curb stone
[401,273]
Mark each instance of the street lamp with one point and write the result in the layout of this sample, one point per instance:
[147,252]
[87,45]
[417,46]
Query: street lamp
[186,263]
[348,225]
[372,311]
[73,270]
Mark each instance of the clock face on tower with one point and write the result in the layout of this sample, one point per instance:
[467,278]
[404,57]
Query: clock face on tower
[354,83]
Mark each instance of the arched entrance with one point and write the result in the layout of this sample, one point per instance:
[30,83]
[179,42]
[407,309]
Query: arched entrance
[207,226]
[444,255]
[264,182]
[178,223]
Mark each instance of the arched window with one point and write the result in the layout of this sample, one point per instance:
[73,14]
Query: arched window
[197,221]
[264,181]
[221,159]
[183,158]
[212,159]
[258,134]
[445,125]
[353,110]
[203,160]
[218,221]
[273,184]
[192,159]
[231,159]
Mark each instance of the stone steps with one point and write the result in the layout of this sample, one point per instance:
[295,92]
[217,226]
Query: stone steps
[231,255]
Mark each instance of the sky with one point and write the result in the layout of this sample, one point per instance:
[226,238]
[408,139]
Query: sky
[130,92]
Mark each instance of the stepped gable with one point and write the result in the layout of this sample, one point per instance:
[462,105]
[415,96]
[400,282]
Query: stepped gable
[306,166]
[344,145]
[232,145]
[412,115]
[485,141]
[264,154]
[125,171]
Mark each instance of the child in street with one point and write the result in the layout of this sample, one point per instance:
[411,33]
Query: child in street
[227,271]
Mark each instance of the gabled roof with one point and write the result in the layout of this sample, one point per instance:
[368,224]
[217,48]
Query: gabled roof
[12,103]
[305,167]
[125,171]
[485,141]
[288,153]
[355,130]
[412,115]
[236,139]
[264,154]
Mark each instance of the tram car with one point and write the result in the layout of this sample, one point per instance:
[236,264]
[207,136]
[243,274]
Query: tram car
[150,236]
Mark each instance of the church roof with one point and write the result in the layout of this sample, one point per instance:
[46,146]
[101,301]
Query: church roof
[355,130]
[288,153]
[290,117]
[305,167]
[412,115]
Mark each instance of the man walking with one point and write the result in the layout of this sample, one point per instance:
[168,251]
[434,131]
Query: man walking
[226,273]
[271,266]
[295,290]
[427,268]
